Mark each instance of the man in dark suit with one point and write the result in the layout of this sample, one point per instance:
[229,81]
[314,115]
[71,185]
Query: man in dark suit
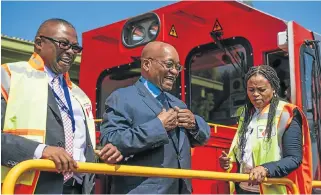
[51,118]
[151,127]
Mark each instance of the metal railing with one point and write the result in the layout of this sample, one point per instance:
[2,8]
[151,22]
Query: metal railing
[210,124]
[316,184]
[101,168]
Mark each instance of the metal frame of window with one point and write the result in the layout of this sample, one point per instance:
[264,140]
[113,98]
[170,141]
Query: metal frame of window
[213,46]
[304,49]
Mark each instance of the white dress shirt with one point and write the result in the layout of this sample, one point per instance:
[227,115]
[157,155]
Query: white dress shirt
[246,163]
[79,143]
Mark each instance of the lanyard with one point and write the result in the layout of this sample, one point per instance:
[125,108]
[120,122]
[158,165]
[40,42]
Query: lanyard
[62,105]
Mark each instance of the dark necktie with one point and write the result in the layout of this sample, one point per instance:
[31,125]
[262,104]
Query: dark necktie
[162,98]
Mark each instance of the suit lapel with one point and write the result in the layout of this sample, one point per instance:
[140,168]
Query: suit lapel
[173,137]
[148,98]
[53,104]
[181,138]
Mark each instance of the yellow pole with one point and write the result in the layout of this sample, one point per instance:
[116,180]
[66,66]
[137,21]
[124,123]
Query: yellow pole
[100,168]
[316,184]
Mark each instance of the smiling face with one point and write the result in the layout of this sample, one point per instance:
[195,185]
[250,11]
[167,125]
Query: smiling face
[57,59]
[259,91]
[154,66]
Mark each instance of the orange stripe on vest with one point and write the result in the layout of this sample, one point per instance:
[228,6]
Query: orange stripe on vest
[25,132]
[4,93]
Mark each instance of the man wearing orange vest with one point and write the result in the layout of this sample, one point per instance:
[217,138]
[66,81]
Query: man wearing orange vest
[44,115]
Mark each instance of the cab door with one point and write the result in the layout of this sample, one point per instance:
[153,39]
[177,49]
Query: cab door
[305,70]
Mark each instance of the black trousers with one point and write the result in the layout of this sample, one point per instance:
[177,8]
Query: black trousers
[72,187]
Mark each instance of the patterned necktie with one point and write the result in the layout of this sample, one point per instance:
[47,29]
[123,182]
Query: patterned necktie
[65,120]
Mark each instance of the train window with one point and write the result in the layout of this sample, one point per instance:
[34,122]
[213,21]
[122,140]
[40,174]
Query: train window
[279,60]
[308,88]
[217,87]
[308,75]
[110,84]
[112,79]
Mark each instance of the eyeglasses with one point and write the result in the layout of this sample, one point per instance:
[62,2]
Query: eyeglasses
[64,44]
[168,64]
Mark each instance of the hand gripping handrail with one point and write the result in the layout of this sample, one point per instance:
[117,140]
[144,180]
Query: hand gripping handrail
[101,168]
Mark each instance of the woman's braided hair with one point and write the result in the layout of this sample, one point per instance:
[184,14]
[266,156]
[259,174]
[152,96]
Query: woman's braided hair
[270,74]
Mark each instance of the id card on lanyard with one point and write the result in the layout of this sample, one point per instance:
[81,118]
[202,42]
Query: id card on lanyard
[62,105]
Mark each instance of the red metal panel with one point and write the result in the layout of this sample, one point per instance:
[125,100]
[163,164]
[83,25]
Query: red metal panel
[193,22]
[300,35]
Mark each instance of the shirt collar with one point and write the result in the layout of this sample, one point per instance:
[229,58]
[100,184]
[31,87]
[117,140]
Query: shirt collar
[153,89]
[52,75]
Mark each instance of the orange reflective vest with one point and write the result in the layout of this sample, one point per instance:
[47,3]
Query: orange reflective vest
[24,112]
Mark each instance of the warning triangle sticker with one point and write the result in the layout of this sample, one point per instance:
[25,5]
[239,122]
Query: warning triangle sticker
[173,32]
[217,26]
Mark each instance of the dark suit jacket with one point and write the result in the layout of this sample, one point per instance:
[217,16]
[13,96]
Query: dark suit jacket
[131,124]
[15,149]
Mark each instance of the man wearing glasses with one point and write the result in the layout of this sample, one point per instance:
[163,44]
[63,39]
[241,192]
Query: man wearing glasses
[151,127]
[44,115]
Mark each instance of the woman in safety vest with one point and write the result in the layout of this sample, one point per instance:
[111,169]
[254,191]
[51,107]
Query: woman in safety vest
[272,139]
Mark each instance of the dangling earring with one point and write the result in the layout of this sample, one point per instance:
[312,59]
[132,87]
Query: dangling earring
[274,94]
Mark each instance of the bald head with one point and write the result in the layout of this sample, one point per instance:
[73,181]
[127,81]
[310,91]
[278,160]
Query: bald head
[50,23]
[156,58]
[157,49]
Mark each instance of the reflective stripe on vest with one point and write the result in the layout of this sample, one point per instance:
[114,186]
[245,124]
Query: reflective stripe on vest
[264,151]
[5,82]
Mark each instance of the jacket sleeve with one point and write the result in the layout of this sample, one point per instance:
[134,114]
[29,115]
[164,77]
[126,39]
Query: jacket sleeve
[116,128]
[14,149]
[291,149]
[201,134]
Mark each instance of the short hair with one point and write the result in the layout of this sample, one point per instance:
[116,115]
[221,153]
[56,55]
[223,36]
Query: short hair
[54,20]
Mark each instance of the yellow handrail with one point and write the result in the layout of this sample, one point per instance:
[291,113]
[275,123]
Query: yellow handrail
[316,184]
[217,125]
[98,120]
[100,168]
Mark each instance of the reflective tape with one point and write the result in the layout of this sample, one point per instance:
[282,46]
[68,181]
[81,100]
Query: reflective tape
[29,73]
[5,81]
